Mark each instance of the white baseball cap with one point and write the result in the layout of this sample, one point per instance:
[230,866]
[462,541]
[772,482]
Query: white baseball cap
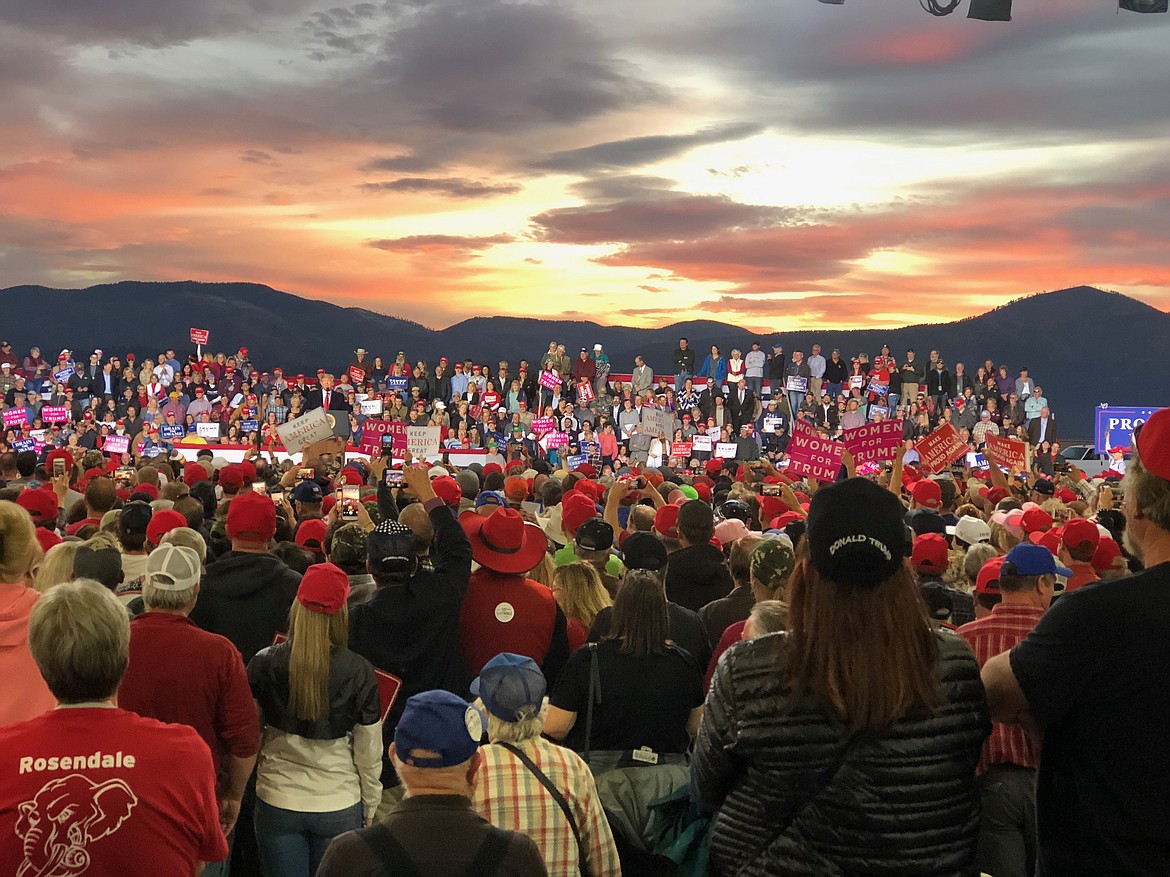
[173,568]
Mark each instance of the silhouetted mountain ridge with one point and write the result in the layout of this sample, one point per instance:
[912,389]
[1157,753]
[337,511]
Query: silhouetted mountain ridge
[1083,345]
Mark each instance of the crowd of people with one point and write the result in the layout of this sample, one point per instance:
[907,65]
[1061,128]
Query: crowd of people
[557,407]
[589,656]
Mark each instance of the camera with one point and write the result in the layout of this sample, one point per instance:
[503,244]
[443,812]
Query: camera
[351,495]
[393,477]
[769,489]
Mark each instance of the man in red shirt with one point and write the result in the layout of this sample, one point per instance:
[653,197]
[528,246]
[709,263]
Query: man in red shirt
[1078,543]
[99,499]
[1007,829]
[179,673]
[88,789]
[504,610]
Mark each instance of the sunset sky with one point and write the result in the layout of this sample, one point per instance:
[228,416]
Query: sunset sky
[770,163]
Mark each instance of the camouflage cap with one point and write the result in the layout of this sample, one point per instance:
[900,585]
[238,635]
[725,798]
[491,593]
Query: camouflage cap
[349,545]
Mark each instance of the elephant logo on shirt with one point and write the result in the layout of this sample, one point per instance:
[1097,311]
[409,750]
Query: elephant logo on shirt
[65,816]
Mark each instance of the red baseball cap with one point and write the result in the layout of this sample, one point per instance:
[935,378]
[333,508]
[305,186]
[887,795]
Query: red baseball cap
[161,523]
[576,509]
[1036,521]
[930,553]
[666,521]
[231,476]
[41,505]
[251,517]
[312,530]
[988,580]
[927,494]
[1079,533]
[1108,556]
[448,490]
[1152,439]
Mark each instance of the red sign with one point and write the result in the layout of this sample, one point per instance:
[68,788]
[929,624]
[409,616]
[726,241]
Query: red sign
[810,455]
[374,430]
[941,448]
[585,391]
[874,442]
[356,374]
[1009,453]
[198,336]
[681,449]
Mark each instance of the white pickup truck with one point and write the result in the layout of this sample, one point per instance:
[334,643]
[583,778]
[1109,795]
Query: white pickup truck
[1086,458]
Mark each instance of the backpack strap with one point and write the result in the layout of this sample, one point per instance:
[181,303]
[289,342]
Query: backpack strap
[582,858]
[396,862]
[491,854]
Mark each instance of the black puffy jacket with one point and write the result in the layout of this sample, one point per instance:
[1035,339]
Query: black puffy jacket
[795,798]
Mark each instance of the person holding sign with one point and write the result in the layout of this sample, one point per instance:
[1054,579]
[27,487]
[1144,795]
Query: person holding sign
[796,376]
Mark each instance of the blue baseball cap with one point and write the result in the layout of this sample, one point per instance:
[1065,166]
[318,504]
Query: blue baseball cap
[511,687]
[438,729]
[307,491]
[490,497]
[1033,560]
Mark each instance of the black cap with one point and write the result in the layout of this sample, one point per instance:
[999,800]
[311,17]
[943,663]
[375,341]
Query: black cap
[100,564]
[390,548]
[643,550]
[937,599]
[135,518]
[735,508]
[926,521]
[594,535]
[1043,485]
[856,533]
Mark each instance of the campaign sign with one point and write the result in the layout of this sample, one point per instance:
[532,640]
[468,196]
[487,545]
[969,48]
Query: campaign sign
[396,385]
[303,431]
[209,431]
[55,414]
[356,375]
[549,380]
[725,450]
[656,421]
[576,460]
[701,442]
[63,375]
[423,441]
[544,424]
[1010,454]
[375,434]
[556,439]
[770,423]
[170,432]
[22,445]
[117,444]
[1115,426]
[474,411]
[797,385]
[585,392]
[812,456]
[15,417]
[856,381]
[878,389]
[246,426]
[371,406]
[680,449]
[875,410]
[874,442]
[199,336]
[941,448]
[714,432]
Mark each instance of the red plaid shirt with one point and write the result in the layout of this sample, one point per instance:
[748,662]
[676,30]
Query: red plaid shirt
[510,797]
[989,636]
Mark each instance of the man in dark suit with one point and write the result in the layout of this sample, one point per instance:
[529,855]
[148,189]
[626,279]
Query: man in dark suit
[741,404]
[324,396]
[1042,428]
[106,383]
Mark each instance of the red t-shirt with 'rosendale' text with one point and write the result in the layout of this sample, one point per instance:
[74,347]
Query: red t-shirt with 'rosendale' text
[98,792]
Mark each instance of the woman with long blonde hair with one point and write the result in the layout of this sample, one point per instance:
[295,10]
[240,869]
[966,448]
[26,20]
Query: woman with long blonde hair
[24,693]
[319,771]
[578,590]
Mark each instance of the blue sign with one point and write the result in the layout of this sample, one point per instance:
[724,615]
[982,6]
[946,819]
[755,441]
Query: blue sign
[1115,426]
[170,432]
[22,445]
[247,426]
[396,385]
[576,460]
[63,375]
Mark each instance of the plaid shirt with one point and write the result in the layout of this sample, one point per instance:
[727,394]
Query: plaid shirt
[989,636]
[510,797]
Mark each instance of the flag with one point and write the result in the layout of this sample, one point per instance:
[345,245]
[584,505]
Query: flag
[1143,5]
[990,10]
